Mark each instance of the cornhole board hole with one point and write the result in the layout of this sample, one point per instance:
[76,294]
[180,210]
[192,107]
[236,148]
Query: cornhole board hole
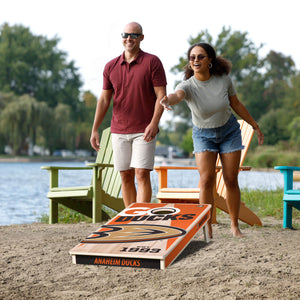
[144,235]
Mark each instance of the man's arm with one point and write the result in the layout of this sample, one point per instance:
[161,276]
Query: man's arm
[152,129]
[101,110]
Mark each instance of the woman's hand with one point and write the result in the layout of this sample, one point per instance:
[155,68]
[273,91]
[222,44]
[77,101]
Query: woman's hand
[260,136]
[165,103]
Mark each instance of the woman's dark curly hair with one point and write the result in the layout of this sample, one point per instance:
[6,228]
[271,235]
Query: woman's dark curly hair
[220,65]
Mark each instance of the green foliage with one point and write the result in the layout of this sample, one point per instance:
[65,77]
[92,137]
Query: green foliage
[187,142]
[264,203]
[163,137]
[67,215]
[40,95]
[34,65]
[19,121]
[291,101]
[274,125]
[250,91]
[270,156]
[278,66]
[294,129]
[236,47]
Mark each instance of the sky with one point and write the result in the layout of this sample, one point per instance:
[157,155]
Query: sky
[90,30]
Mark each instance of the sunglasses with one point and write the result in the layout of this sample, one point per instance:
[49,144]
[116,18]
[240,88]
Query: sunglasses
[132,35]
[199,57]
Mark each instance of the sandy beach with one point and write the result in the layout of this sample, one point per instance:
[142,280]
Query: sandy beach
[35,264]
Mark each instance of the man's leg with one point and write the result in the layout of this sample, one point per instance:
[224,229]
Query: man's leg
[144,185]
[143,162]
[122,149]
[128,187]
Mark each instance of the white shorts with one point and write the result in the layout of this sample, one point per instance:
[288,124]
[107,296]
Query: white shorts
[132,151]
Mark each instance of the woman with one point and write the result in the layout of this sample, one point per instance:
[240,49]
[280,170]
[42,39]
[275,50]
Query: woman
[210,95]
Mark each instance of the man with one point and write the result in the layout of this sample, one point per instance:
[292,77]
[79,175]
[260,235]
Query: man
[137,82]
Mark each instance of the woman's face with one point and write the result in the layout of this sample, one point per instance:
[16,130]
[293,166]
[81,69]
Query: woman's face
[199,60]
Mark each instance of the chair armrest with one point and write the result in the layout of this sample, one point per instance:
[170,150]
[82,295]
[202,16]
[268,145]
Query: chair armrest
[287,168]
[100,165]
[175,168]
[50,168]
[97,170]
[287,172]
[245,168]
[163,173]
[54,171]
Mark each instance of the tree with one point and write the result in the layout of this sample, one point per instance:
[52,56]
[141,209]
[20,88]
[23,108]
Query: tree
[274,126]
[19,121]
[278,66]
[187,142]
[250,92]
[294,128]
[291,100]
[34,65]
[279,69]
[63,130]
[241,51]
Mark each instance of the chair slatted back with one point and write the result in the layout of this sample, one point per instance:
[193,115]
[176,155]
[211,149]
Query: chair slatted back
[247,134]
[111,179]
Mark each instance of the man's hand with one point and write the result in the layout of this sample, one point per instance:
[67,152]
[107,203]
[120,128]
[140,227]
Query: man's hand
[150,133]
[94,140]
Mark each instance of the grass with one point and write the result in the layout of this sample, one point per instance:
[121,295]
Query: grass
[263,203]
[67,215]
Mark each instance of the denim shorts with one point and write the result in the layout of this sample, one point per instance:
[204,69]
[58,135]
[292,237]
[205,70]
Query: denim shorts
[224,139]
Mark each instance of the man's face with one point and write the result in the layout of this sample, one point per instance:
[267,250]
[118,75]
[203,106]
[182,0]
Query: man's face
[130,43]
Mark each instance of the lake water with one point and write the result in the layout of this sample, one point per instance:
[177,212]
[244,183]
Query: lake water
[24,186]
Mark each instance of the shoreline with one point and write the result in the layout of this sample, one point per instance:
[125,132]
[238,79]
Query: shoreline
[175,161]
[20,159]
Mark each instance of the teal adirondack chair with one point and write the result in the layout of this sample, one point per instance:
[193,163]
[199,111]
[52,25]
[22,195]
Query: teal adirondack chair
[89,200]
[291,196]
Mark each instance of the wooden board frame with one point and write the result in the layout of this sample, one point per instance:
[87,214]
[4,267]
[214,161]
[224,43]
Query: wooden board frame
[144,235]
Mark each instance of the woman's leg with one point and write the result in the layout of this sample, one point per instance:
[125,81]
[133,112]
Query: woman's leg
[230,164]
[206,163]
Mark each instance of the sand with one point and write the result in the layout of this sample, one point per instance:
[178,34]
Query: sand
[35,264]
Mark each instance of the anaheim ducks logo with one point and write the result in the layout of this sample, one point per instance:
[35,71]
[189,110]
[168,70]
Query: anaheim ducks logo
[134,233]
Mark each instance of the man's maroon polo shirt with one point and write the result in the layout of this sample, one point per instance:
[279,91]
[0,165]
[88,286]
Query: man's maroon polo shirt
[134,96]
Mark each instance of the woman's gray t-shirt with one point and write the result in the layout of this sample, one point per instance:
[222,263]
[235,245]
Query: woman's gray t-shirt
[208,100]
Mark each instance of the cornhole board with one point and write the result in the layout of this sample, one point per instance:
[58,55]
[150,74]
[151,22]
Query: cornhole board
[144,235]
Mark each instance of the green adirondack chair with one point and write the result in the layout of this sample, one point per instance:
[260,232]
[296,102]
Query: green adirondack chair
[89,200]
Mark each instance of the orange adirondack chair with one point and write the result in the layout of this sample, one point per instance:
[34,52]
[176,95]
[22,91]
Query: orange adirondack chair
[191,195]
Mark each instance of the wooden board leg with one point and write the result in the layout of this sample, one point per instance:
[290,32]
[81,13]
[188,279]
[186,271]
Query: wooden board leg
[205,232]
